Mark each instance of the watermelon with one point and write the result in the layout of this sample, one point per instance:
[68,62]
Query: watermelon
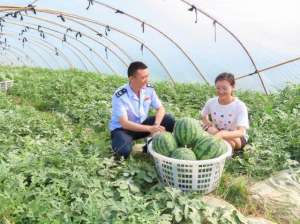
[186,131]
[209,147]
[184,154]
[164,143]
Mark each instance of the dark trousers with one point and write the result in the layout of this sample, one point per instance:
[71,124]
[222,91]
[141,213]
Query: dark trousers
[122,139]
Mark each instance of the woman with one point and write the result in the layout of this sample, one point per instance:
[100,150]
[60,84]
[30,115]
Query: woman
[225,116]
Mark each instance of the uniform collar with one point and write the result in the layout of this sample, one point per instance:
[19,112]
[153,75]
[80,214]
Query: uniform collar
[132,94]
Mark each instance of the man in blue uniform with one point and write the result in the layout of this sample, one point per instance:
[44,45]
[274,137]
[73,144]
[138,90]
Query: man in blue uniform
[130,107]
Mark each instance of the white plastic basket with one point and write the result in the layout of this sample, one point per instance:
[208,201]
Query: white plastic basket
[5,85]
[188,175]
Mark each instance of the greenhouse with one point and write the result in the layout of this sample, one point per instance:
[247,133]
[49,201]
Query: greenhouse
[68,70]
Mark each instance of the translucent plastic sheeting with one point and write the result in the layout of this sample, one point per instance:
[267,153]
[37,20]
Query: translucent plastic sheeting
[173,38]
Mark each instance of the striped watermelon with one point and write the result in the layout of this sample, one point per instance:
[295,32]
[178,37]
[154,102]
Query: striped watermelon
[186,131]
[209,147]
[184,154]
[164,143]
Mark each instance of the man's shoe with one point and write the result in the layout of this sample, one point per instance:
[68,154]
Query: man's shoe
[145,148]
[147,142]
[137,149]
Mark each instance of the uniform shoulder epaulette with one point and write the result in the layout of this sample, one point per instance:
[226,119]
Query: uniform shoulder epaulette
[150,85]
[121,92]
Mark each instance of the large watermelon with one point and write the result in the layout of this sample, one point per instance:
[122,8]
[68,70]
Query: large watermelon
[184,154]
[209,147]
[164,143]
[186,131]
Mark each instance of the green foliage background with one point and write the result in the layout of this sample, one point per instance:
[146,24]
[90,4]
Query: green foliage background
[55,153]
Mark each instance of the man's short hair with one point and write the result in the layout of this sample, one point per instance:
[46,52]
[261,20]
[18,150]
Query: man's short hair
[134,66]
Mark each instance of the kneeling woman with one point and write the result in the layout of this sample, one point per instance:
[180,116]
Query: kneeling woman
[225,116]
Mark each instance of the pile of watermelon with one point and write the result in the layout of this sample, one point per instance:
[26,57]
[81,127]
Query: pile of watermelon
[188,142]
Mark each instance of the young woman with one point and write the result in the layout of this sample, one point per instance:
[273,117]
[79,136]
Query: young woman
[225,116]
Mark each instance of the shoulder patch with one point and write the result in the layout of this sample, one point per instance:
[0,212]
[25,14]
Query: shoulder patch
[121,92]
[150,85]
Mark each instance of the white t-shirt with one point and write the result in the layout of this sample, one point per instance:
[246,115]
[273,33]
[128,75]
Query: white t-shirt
[227,117]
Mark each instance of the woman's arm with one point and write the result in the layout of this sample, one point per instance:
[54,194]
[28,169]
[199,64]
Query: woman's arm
[206,120]
[240,132]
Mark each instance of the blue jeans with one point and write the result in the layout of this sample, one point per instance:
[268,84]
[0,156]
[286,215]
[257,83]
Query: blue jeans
[122,139]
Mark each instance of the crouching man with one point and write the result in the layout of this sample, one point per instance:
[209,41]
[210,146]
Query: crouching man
[130,107]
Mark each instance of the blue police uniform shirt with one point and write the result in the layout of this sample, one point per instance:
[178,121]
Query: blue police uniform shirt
[126,102]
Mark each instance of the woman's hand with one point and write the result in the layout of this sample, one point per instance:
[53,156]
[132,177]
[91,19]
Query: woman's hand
[220,134]
[206,125]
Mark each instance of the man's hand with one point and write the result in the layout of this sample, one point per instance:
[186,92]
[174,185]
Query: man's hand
[156,128]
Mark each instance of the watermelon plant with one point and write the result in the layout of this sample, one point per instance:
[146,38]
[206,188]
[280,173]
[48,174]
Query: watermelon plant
[56,164]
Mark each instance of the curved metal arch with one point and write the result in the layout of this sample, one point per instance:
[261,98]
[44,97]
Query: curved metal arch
[33,50]
[23,53]
[40,56]
[74,52]
[101,58]
[69,36]
[63,56]
[234,37]
[93,39]
[44,45]
[106,38]
[161,32]
[55,12]
[11,61]
[20,54]
[50,47]
[17,58]
[270,67]
[84,34]
[46,50]
[126,34]
[109,40]
[27,57]
[17,55]
[11,53]
[132,37]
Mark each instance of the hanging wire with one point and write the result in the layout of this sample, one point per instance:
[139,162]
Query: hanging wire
[193,8]
[160,32]
[68,29]
[215,29]
[56,52]
[110,67]
[42,45]
[234,36]
[57,13]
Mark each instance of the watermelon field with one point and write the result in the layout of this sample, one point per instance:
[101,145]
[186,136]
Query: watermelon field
[57,166]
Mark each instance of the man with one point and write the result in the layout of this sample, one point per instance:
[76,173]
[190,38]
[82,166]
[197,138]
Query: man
[130,107]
